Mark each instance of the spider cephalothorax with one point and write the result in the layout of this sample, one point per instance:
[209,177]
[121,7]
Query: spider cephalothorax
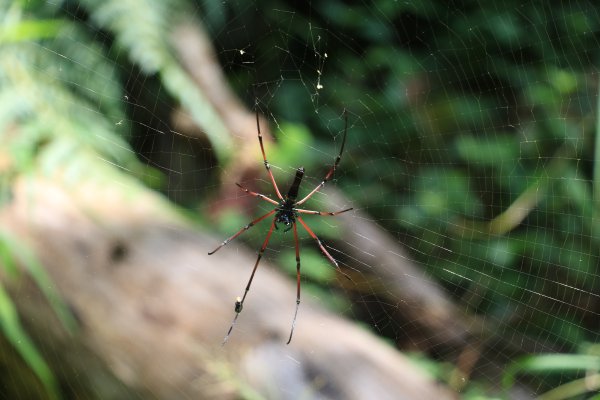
[286,213]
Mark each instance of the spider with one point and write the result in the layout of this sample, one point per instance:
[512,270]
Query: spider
[286,212]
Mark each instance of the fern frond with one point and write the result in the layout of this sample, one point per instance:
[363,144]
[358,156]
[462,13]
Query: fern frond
[147,42]
[59,100]
[46,109]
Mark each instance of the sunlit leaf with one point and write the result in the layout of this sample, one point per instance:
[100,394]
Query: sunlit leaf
[16,335]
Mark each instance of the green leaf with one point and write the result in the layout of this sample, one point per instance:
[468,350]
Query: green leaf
[7,259]
[26,257]
[314,265]
[563,81]
[442,192]
[294,147]
[16,335]
[30,30]
[557,363]
[488,151]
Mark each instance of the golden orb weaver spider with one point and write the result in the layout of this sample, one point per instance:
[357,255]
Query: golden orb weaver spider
[286,213]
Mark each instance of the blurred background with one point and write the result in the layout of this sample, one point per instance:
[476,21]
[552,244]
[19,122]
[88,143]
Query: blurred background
[471,163]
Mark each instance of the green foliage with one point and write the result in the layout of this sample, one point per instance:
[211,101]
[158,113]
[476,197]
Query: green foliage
[313,265]
[290,138]
[471,131]
[12,252]
[499,150]
[16,335]
[562,364]
[31,100]
[61,112]
[148,44]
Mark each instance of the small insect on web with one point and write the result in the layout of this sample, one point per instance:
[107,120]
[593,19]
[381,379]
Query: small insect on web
[286,213]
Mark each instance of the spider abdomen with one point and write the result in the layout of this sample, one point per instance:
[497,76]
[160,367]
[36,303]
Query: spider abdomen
[293,192]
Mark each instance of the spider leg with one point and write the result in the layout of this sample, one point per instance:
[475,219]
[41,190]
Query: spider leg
[301,211]
[267,165]
[311,233]
[335,164]
[297,281]
[259,195]
[239,303]
[244,229]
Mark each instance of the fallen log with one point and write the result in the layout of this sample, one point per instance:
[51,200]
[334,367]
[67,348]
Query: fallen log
[153,307]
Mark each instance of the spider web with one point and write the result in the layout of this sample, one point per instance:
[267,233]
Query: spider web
[471,150]
[448,134]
